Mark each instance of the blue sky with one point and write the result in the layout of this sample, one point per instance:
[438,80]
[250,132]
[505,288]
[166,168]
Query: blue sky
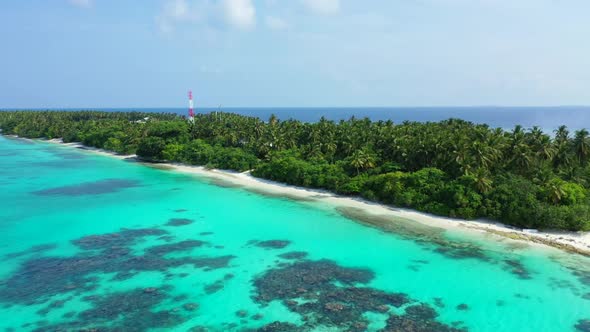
[148,53]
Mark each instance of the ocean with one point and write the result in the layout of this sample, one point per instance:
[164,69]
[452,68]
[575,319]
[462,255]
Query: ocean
[547,118]
[92,242]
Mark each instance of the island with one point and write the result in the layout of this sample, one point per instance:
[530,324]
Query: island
[522,177]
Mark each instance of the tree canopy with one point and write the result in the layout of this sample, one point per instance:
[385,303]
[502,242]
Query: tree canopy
[522,177]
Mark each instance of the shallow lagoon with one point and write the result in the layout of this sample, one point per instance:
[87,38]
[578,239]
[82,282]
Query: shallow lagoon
[93,242]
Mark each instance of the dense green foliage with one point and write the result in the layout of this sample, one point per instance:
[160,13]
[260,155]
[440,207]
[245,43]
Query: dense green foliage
[524,178]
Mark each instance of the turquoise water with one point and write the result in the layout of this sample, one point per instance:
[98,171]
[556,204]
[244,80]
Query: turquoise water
[94,242]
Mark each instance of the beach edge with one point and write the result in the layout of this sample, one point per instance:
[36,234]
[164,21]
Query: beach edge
[574,242]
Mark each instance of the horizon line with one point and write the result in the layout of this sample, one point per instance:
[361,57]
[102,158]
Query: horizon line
[281,107]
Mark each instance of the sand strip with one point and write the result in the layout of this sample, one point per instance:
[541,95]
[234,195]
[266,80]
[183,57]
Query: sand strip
[573,242]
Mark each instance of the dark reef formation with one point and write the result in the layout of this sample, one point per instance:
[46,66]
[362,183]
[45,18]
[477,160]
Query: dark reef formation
[582,275]
[89,188]
[41,278]
[461,251]
[419,318]
[429,237]
[583,325]
[462,307]
[279,327]
[439,302]
[294,255]
[54,281]
[175,222]
[270,244]
[125,237]
[517,268]
[326,294]
[38,249]
[124,311]
[164,249]
[214,287]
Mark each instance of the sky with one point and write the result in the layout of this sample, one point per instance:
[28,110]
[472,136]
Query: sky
[293,53]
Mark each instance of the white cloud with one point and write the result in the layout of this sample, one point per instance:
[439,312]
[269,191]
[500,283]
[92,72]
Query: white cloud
[173,12]
[237,13]
[240,13]
[81,3]
[276,23]
[324,7]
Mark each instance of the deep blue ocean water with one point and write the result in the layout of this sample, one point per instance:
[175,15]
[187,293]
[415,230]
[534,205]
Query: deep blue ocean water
[548,118]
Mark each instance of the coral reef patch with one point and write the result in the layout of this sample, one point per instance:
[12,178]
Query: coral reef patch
[90,188]
[583,325]
[40,278]
[327,294]
[131,311]
[270,244]
[175,222]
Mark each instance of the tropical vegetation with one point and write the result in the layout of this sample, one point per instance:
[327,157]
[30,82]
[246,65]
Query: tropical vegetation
[522,177]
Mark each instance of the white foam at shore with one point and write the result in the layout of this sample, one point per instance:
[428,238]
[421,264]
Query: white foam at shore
[571,241]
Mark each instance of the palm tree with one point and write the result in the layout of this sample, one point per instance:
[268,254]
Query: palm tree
[563,148]
[562,134]
[273,120]
[362,160]
[555,191]
[582,146]
[483,155]
[483,183]
[545,150]
[521,158]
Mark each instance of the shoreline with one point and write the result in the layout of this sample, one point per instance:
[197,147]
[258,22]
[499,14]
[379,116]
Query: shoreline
[568,241]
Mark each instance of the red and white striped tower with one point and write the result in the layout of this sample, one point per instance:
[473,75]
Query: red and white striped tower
[191,113]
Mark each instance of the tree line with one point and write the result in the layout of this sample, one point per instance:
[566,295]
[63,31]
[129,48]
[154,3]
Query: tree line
[522,177]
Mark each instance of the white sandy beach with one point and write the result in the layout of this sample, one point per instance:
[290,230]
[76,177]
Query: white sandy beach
[570,241]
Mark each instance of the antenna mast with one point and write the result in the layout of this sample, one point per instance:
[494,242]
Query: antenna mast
[191,113]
